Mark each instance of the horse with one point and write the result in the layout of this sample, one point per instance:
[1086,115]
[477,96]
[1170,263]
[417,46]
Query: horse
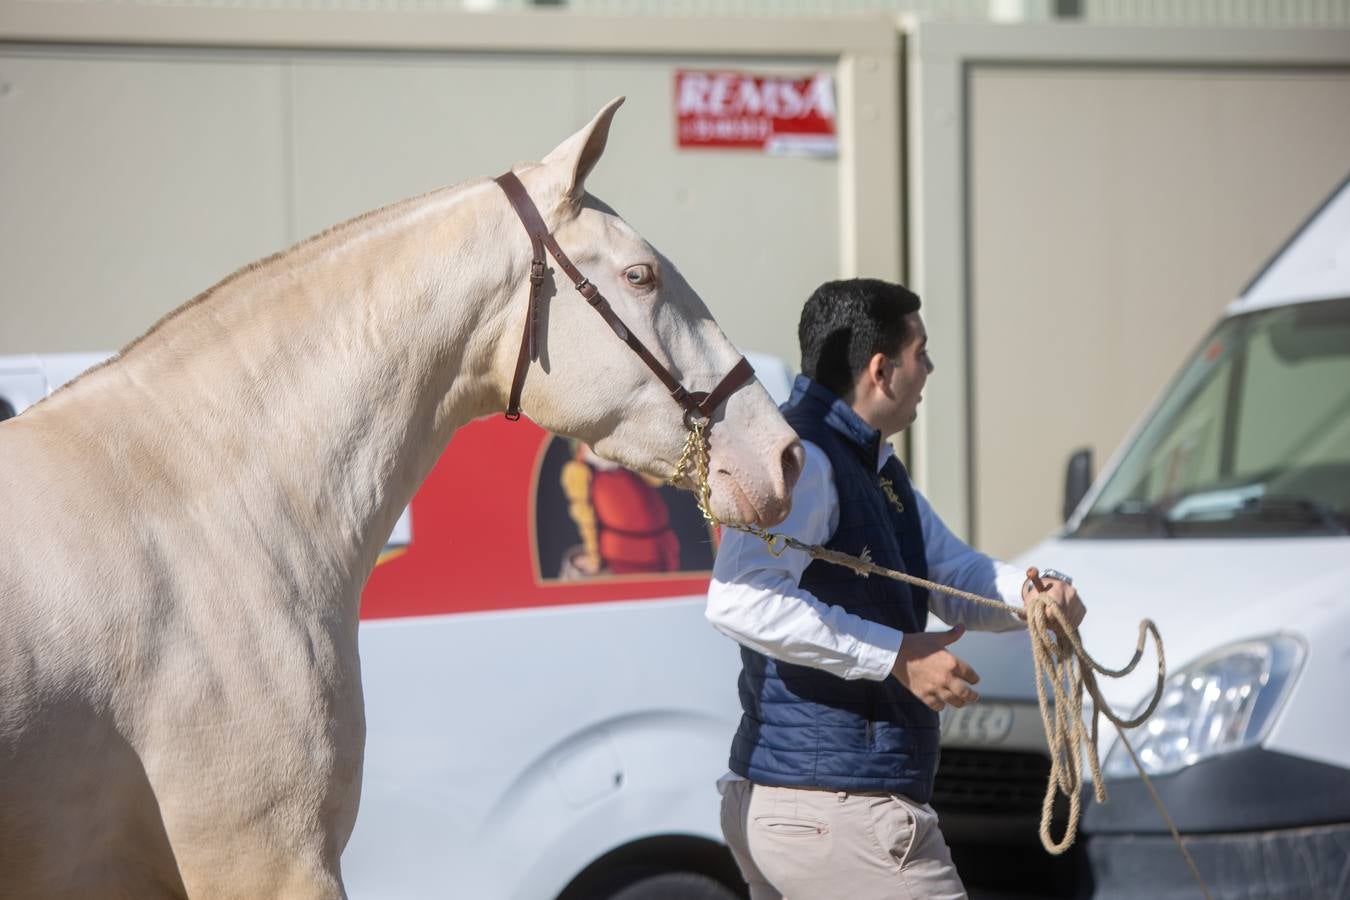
[191,523]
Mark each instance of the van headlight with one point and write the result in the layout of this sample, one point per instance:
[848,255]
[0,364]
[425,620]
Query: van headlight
[1222,702]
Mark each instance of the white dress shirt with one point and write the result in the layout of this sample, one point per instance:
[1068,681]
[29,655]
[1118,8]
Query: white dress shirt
[756,598]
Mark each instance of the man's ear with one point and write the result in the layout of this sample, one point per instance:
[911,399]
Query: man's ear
[876,369]
[574,158]
[866,382]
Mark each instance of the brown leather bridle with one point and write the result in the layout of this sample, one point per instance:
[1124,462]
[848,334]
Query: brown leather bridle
[695,403]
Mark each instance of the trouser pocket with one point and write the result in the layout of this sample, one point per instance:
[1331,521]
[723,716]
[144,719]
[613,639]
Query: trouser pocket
[894,827]
[791,827]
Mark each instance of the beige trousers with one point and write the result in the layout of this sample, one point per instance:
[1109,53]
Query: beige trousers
[809,844]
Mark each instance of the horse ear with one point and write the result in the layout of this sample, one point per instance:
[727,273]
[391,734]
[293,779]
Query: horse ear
[576,156]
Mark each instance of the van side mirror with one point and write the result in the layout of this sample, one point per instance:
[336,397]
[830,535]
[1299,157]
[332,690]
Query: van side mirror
[1077,479]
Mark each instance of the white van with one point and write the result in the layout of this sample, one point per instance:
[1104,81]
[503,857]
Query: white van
[26,379]
[547,709]
[1225,518]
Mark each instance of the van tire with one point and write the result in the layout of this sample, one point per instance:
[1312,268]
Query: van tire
[675,886]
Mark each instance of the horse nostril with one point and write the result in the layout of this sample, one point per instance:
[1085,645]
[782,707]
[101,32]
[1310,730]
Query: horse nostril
[794,458]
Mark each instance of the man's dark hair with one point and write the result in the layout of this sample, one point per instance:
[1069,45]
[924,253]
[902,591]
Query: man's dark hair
[845,322]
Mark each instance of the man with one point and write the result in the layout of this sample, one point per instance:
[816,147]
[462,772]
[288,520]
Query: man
[833,764]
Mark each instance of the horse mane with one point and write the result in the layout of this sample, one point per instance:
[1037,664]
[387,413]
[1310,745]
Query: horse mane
[327,237]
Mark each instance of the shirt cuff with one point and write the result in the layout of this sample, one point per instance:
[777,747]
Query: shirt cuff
[1009,583]
[877,651]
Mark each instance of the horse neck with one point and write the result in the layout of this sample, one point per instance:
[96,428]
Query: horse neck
[311,395]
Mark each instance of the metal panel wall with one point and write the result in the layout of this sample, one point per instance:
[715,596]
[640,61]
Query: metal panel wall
[219,155]
[1115,213]
[130,182]
[1112,186]
[314,115]
[752,233]
[1304,13]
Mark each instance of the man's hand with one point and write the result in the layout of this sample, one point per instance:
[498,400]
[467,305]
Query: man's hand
[1062,595]
[933,674]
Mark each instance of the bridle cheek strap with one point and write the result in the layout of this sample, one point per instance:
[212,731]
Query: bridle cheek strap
[696,403]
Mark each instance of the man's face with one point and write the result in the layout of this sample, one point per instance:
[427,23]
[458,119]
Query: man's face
[912,366]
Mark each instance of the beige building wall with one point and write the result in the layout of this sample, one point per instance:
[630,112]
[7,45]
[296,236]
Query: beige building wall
[130,182]
[1114,213]
[1058,172]
[150,152]
[147,175]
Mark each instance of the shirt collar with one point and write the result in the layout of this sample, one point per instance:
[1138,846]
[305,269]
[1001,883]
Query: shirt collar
[842,418]
[887,451]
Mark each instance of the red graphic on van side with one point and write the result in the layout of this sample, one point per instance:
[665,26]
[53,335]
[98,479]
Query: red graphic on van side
[494,527]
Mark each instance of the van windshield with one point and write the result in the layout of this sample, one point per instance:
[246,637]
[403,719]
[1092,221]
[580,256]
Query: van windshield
[1253,439]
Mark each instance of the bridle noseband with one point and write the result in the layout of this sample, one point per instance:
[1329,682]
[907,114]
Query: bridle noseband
[695,403]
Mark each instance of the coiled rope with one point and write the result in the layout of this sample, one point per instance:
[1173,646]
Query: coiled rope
[1064,669]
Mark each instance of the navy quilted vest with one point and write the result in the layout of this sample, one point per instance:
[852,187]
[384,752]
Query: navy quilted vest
[802,727]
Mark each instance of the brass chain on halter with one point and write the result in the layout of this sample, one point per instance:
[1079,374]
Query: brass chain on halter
[1058,656]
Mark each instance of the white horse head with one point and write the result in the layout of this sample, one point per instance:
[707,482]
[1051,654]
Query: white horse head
[590,385]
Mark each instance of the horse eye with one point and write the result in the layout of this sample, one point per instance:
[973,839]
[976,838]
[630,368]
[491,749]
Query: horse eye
[639,276]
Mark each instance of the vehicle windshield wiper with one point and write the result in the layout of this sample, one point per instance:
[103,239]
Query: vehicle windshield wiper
[1215,515]
[1134,514]
[1292,509]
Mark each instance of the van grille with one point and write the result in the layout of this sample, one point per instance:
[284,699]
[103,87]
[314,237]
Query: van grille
[996,782]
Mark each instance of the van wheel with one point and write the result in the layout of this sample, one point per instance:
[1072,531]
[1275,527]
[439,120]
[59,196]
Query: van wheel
[676,886]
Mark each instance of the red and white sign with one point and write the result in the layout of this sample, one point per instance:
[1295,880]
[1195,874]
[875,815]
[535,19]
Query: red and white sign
[772,113]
